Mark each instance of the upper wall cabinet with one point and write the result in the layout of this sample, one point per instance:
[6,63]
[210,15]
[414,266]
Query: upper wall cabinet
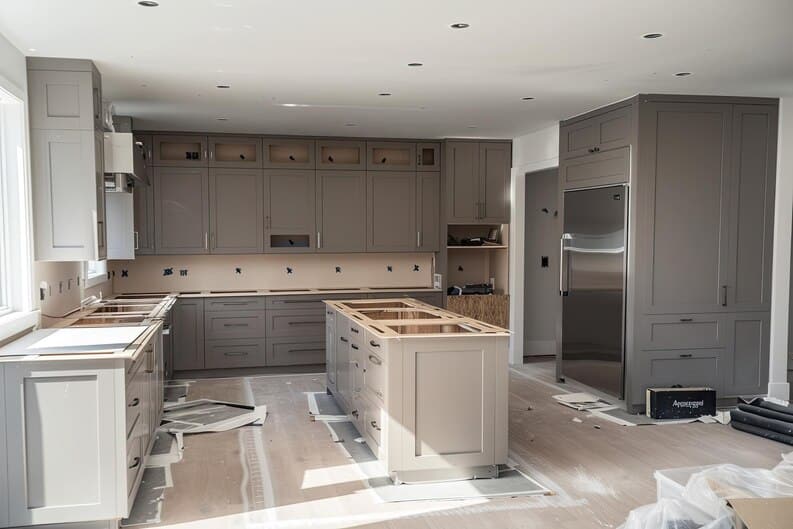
[428,198]
[143,217]
[236,215]
[428,156]
[145,142]
[288,153]
[391,211]
[290,210]
[232,151]
[477,182]
[341,154]
[61,100]
[341,211]
[390,156]
[180,151]
[181,210]
[610,130]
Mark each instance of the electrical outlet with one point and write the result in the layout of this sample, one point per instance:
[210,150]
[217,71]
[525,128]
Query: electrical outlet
[544,261]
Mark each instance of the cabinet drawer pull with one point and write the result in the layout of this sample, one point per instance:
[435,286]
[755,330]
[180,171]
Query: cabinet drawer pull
[134,403]
[234,303]
[306,322]
[315,350]
[373,343]
[135,463]
[236,353]
[686,355]
[329,313]
[686,319]
[354,413]
[724,295]
[235,324]
[353,329]
[374,425]
[376,361]
[343,339]
[354,347]
[301,301]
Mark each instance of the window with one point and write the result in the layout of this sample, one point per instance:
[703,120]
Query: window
[16,262]
[95,272]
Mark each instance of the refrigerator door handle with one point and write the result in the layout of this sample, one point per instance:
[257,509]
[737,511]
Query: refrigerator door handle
[563,268]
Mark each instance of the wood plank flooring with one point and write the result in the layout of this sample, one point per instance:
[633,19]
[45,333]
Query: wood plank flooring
[288,473]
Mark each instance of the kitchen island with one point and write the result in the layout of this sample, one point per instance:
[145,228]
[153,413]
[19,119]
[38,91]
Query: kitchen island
[426,388]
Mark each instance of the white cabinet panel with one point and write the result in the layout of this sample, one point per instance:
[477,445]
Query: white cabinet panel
[120,226]
[3,462]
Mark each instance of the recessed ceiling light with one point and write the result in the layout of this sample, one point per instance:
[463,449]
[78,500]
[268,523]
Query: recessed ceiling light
[32,50]
[526,98]
[652,35]
[415,64]
[682,74]
[148,3]
[223,86]
[384,94]
[460,25]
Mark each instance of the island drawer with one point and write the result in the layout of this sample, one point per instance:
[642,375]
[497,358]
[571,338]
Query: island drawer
[295,323]
[374,343]
[134,365]
[290,352]
[134,460]
[373,422]
[357,333]
[237,324]
[374,375]
[222,354]
[134,404]
[227,304]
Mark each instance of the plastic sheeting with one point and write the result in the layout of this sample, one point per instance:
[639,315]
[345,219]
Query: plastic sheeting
[704,501]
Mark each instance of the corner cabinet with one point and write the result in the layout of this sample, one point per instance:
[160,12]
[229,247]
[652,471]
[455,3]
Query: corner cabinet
[478,182]
[181,208]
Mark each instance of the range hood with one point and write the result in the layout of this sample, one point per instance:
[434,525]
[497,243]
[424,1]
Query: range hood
[124,157]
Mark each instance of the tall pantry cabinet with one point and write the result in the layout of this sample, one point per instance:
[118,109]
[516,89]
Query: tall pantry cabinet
[701,174]
[67,161]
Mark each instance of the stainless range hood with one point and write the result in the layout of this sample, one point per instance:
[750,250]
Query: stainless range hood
[124,159]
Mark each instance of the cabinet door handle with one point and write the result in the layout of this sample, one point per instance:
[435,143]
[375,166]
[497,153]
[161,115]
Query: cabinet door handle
[376,361]
[343,339]
[724,295]
[373,343]
[356,348]
[305,322]
[135,463]
[354,413]
[319,239]
[137,240]
[315,350]
[374,425]
[684,320]
[235,324]
[418,239]
[686,355]
[134,403]
[234,303]
[206,240]
[236,353]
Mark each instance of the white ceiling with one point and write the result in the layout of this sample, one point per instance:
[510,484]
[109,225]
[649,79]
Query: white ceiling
[161,65]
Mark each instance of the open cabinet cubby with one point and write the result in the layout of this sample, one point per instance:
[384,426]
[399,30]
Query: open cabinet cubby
[179,152]
[290,241]
[428,156]
[478,264]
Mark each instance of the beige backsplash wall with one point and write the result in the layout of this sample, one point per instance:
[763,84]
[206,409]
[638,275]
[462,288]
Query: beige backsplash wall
[268,272]
[64,287]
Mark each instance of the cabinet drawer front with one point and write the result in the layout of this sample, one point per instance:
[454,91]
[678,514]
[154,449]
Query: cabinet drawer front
[373,422]
[374,376]
[611,167]
[136,390]
[357,334]
[248,324]
[374,344]
[297,302]
[703,367]
[283,323]
[230,304]
[606,131]
[295,353]
[235,353]
[684,331]
[134,461]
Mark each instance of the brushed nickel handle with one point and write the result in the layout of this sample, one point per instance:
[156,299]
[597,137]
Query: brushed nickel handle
[376,361]
[684,320]
[134,403]
[235,324]
[686,355]
[356,348]
[135,463]
[373,343]
[137,241]
[319,239]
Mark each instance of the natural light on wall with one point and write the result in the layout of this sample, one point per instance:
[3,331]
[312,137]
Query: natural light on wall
[16,263]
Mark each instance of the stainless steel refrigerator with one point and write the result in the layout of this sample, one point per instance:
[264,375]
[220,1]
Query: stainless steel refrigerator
[592,285]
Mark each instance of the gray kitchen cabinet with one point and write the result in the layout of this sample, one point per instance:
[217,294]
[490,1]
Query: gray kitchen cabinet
[236,211]
[234,324]
[235,353]
[752,183]
[747,373]
[288,153]
[99,191]
[602,168]
[428,156]
[188,334]
[341,211]
[341,155]
[610,129]
[477,182]
[290,205]
[143,218]
[180,151]
[428,222]
[688,368]
[64,94]
[688,196]
[235,151]
[295,323]
[390,156]
[391,211]
[288,352]
[181,210]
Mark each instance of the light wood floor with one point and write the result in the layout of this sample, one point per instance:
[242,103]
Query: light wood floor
[288,473]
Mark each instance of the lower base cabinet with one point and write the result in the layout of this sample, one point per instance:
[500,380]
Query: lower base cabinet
[83,432]
[231,353]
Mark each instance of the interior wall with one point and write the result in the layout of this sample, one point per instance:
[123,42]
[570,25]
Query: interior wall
[541,288]
[189,273]
[531,152]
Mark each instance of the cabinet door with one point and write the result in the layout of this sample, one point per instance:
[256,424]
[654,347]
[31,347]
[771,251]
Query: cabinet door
[343,373]
[187,330]
[181,210]
[341,211]
[145,141]
[180,151]
[143,218]
[603,168]
[686,164]
[62,458]
[390,156]
[752,181]
[61,100]
[64,195]
[120,226]
[391,211]
[335,154]
[290,210]
[288,153]
[233,151]
[428,156]
[611,130]
[428,205]
[236,211]
[747,373]
[462,182]
[495,165]
[99,190]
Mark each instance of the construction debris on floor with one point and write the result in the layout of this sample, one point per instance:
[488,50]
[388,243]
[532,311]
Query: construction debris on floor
[204,415]
[719,497]
[766,418]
